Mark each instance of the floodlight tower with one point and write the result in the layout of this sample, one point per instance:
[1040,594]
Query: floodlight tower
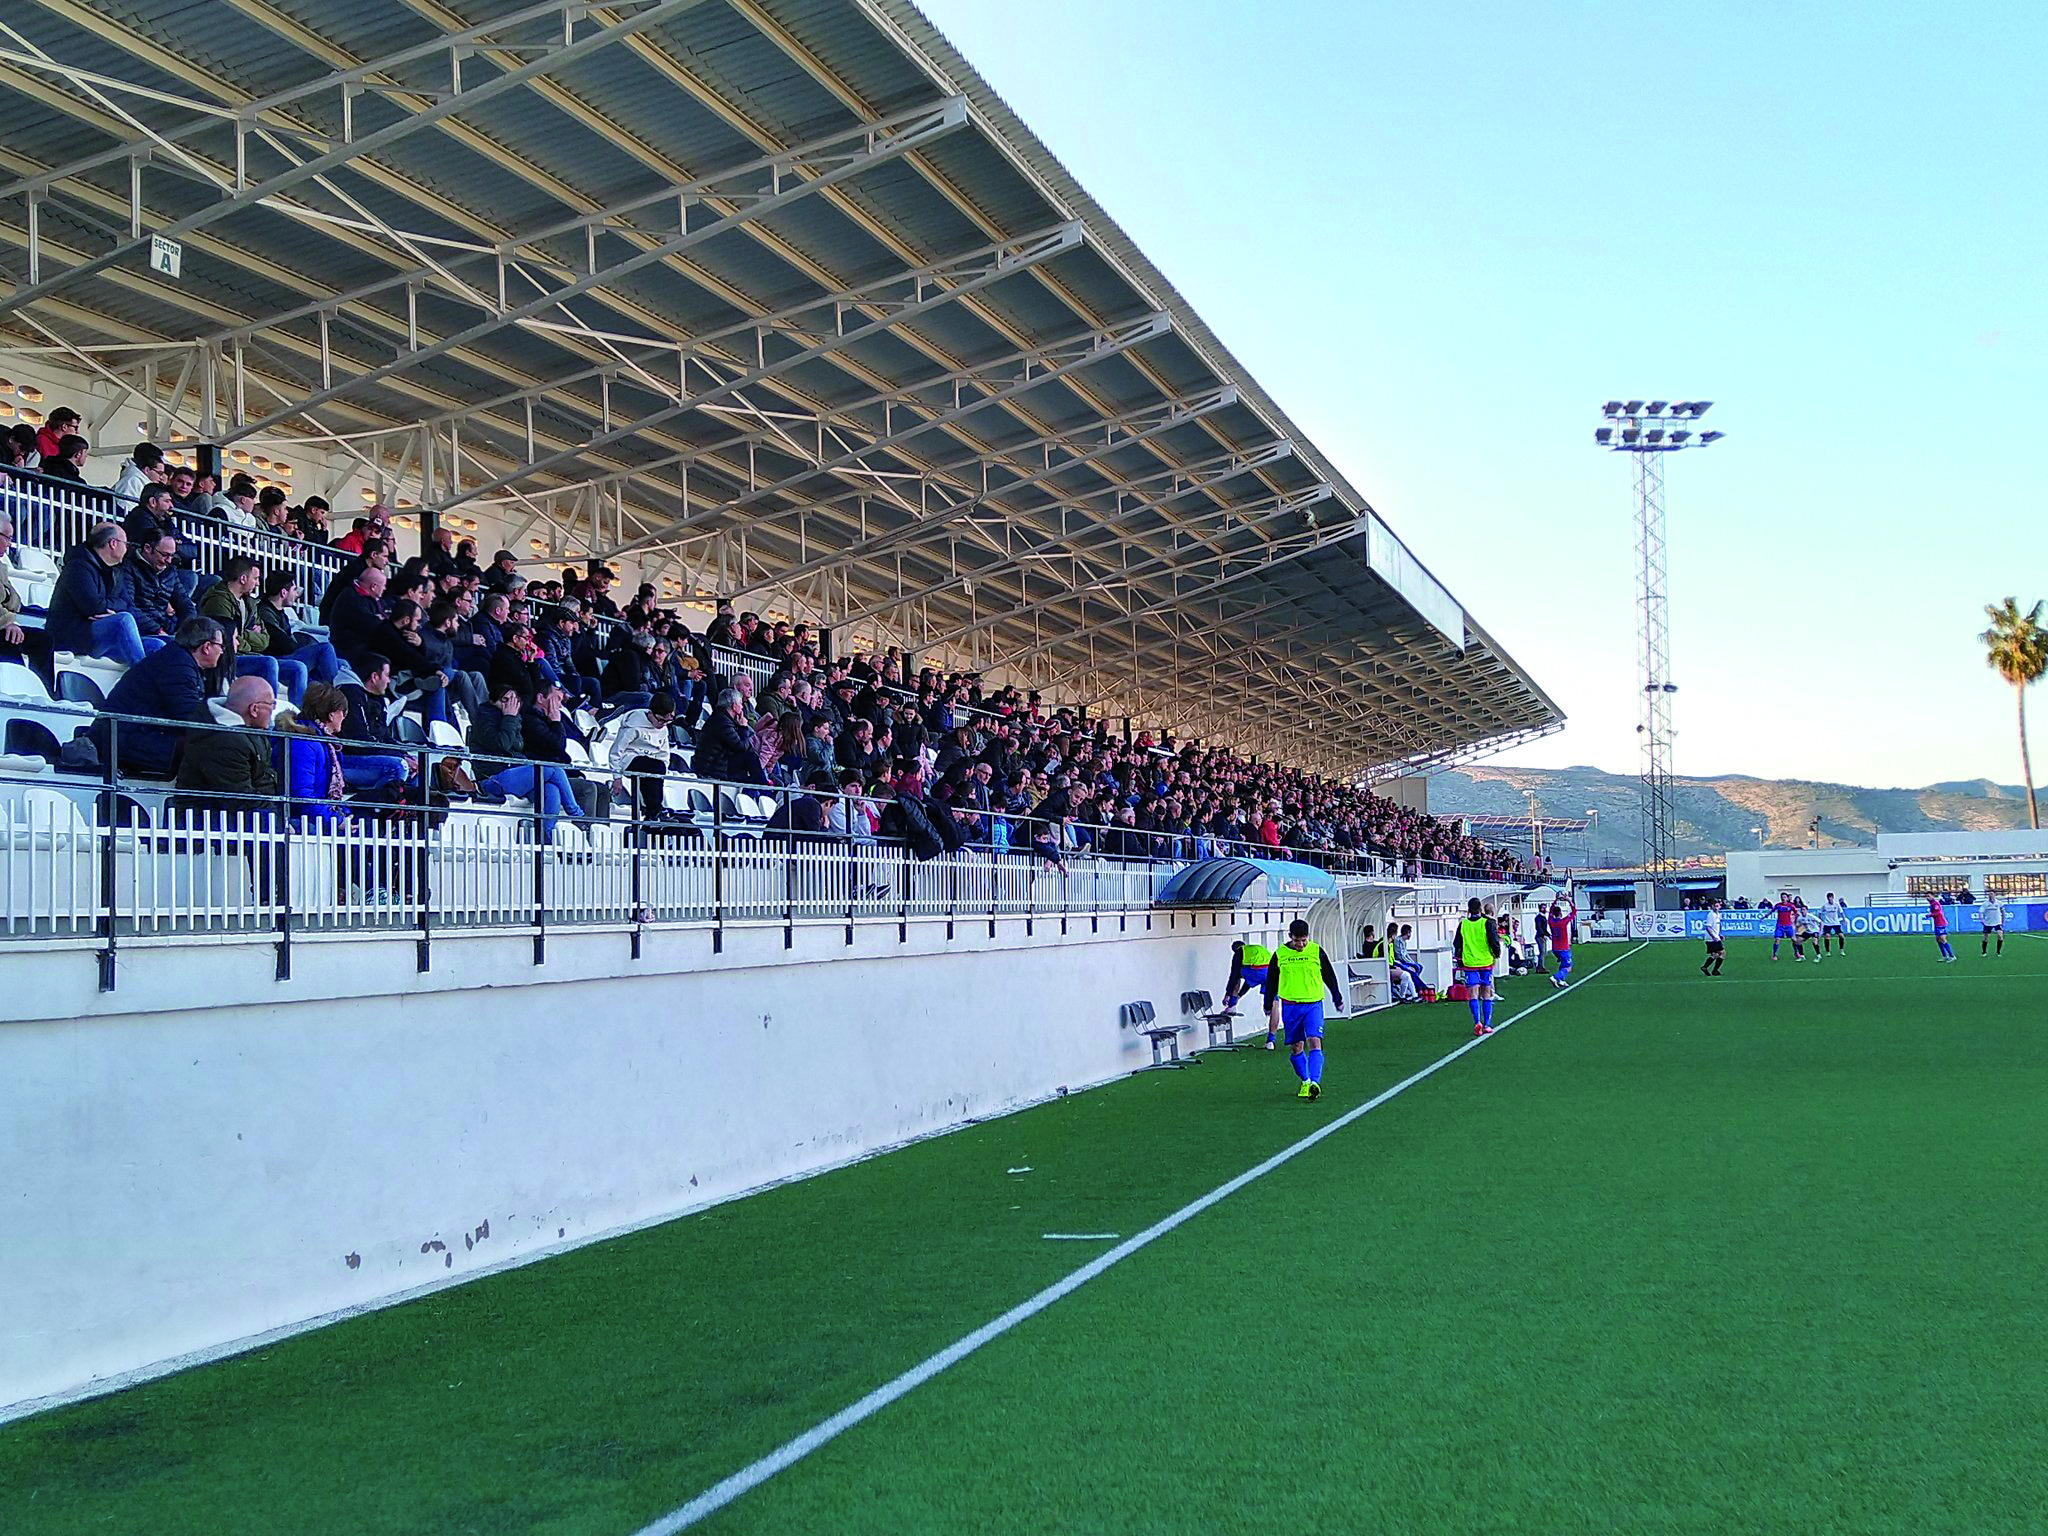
[1647,431]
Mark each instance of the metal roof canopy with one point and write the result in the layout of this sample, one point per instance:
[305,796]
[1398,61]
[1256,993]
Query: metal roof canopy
[776,296]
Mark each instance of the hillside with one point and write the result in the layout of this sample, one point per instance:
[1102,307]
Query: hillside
[1714,815]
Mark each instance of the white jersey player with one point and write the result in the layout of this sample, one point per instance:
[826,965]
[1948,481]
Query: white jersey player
[1991,917]
[1833,915]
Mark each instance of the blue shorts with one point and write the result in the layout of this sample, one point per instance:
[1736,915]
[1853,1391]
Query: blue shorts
[1477,978]
[1254,977]
[1564,956]
[1781,933]
[1301,1020]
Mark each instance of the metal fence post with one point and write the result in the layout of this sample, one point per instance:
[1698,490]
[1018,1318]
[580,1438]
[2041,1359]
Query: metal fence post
[635,784]
[717,868]
[284,868]
[540,866]
[109,869]
[789,873]
[423,949]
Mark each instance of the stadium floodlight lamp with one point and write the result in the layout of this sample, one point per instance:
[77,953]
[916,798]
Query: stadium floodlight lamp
[1679,435]
[1671,687]
[1711,437]
[1699,407]
[1603,435]
[1630,434]
[1611,408]
[1654,435]
[1633,408]
[1657,407]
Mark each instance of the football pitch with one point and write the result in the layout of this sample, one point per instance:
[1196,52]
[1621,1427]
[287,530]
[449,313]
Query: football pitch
[1762,1253]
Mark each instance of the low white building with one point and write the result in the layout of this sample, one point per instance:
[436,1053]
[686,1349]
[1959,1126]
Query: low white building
[2010,865]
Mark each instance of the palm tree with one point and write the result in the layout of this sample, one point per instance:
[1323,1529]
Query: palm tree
[2016,648]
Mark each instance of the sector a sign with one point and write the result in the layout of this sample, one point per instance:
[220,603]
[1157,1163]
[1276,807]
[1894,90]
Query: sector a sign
[166,256]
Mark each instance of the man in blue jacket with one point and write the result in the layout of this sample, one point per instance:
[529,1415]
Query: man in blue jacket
[89,608]
[169,684]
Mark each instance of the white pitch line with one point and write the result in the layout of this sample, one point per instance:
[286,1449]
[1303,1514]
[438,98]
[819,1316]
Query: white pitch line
[1082,1237]
[716,1497]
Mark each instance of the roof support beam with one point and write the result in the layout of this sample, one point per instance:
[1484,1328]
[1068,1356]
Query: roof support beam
[827,162]
[542,62]
[878,308]
[960,393]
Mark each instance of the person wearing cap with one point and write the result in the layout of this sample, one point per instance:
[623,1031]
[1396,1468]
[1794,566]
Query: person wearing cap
[1295,982]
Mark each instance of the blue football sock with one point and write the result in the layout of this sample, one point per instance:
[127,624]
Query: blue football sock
[1315,1066]
[1300,1062]
[1473,1004]
[1486,1013]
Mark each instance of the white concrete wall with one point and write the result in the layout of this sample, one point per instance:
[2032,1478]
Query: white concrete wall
[207,1154]
[1962,845]
[1857,873]
[1853,874]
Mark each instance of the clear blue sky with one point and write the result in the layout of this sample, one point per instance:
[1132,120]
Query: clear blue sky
[1440,238]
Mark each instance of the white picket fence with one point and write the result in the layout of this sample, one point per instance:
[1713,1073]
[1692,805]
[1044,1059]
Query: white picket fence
[65,871]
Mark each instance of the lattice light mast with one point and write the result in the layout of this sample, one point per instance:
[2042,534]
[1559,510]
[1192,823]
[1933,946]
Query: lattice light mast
[1647,431]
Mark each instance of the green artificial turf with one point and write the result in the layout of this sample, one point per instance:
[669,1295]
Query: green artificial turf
[1755,1254]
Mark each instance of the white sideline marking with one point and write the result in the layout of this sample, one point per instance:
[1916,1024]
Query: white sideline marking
[716,1497]
[1081,1237]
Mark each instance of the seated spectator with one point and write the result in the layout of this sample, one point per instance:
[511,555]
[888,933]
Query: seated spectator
[277,613]
[851,815]
[61,423]
[232,603]
[355,622]
[236,506]
[155,596]
[560,632]
[516,663]
[374,553]
[486,632]
[153,516]
[11,634]
[226,771]
[909,819]
[185,493]
[69,460]
[818,753]
[497,738]
[630,671]
[375,758]
[641,752]
[725,747]
[547,732]
[88,609]
[141,469]
[310,521]
[271,512]
[457,685]
[167,685]
[313,775]
[800,815]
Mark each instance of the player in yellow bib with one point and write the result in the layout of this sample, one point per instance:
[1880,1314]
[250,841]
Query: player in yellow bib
[1295,983]
[1477,950]
[1248,962]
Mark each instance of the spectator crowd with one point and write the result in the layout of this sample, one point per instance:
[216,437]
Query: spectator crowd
[565,696]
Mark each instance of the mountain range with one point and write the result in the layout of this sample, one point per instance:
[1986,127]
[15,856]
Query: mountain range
[1713,815]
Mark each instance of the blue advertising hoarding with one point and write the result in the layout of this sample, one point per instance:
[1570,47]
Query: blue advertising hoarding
[1761,922]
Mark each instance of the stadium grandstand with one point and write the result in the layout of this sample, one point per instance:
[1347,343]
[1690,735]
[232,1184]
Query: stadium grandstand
[673,512]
